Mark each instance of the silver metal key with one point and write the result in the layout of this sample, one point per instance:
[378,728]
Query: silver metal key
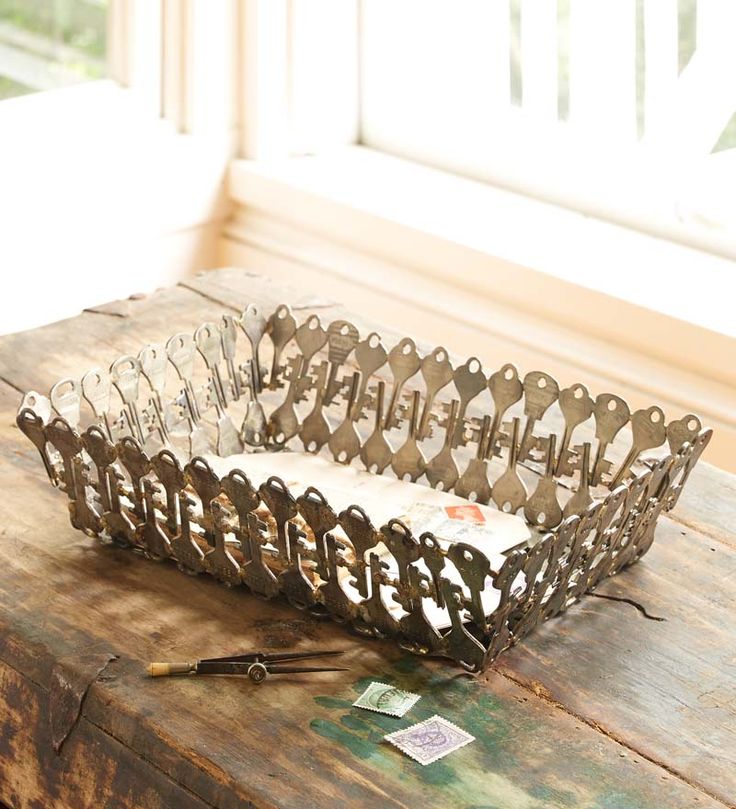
[342,338]
[254,324]
[577,407]
[580,501]
[229,340]
[648,431]
[370,356]
[284,422]
[344,443]
[153,363]
[315,431]
[96,389]
[409,459]
[442,471]
[509,492]
[611,413]
[310,338]
[125,373]
[542,508]
[469,382]
[209,345]
[281,328]
[473,483]
[404,362]
[66,400]
[254,430]
[437,372]
[376,452]
[506,390]
[540,392]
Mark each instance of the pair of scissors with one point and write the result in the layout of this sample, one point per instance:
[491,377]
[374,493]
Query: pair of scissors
[256,665]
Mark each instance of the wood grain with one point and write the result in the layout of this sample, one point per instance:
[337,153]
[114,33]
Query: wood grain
[601,708]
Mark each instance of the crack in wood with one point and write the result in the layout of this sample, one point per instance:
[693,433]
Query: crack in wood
[541,692]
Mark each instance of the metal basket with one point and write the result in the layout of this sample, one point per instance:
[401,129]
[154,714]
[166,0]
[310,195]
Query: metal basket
[589,477]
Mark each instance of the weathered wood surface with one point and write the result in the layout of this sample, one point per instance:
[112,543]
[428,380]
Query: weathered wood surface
[600,708]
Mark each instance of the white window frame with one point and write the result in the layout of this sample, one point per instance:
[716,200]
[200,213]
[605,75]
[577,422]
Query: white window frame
[662,309]
[122,179]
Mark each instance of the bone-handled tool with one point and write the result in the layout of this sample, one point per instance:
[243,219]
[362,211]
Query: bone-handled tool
[257,666]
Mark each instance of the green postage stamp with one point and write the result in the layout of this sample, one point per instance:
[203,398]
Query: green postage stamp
[386,699]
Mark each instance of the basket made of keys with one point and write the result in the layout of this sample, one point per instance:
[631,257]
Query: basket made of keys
[389,487]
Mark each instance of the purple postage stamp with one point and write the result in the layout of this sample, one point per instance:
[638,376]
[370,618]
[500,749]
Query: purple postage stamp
[430,740]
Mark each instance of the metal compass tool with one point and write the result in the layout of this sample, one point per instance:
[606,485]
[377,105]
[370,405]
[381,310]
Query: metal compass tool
[257,666]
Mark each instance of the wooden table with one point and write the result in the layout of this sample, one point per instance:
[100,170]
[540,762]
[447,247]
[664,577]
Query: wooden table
[601,708]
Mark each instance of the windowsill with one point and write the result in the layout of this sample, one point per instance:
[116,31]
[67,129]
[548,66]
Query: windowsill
[97,197]
[633,290]
[677,281]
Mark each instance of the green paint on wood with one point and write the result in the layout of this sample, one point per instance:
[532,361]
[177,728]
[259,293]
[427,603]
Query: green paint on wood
[332,702]
[361,748]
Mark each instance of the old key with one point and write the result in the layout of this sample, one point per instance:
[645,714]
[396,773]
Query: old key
[469,381]
[580,501]
[611,413]
[376,452]
[66,400]
[442,471]
[254,324]
[342,338]
[344,443]
[404,362]
[473,483]
[506,390]
[96,389]
[209,345]
[509,492]
[281,328]
[576,406]
[126,376]
[648,431]
[153,363]
[370,356]
[284,422]
[315,431]
[437,373]
[310,338]
[542,508]
[540,392]
[229,340]
[409,460]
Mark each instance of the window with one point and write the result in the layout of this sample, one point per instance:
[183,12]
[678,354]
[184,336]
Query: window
[45,44]
[625,109]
